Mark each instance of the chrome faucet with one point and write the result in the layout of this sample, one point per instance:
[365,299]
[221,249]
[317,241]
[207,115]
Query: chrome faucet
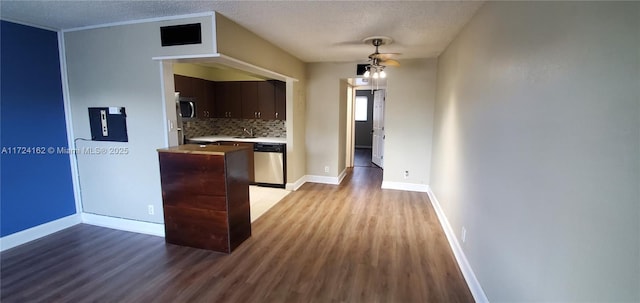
[250,131]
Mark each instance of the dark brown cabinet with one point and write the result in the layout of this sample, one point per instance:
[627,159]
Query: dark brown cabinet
[259,100]
[199,89]
[184,85]
[228,97]
[250,106]
[280,100]
[204,98]
[235,99]
[205,195]
[266,100]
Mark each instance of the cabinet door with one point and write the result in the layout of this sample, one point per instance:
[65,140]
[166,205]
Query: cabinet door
[200,94]
[281,100]
[228,100]
[266,100]
[222,95]
[183,85]
[250,107]
[210,98]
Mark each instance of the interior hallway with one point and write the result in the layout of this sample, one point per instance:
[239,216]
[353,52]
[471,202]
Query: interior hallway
[362,157]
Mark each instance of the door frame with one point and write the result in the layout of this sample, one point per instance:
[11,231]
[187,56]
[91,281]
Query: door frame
[351,120]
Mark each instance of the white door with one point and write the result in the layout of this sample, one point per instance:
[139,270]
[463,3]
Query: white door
[377,152]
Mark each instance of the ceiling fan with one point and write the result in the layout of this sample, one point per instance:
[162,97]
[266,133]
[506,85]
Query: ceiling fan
[378,61]
[383,58]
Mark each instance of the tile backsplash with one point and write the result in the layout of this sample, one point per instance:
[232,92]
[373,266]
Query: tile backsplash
[198,127]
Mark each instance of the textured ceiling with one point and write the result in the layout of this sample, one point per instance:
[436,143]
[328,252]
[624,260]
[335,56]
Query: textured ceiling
[314,31]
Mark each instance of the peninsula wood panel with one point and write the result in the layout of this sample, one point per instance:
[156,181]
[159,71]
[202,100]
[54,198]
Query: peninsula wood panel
[352,242]
[206,199]
[250,155]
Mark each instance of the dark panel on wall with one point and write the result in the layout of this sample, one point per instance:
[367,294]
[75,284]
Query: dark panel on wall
[36,184]
[182,34]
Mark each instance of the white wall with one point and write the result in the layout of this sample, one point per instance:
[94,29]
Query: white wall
[112,66]
[324,97]
[411,92]
[409,119]
[537,149]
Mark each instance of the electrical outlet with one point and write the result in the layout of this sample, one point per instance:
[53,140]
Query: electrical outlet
[151,209]
[406,174]
[326,169]
[464,234]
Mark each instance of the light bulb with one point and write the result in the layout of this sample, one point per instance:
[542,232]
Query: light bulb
[366,74]
[383,74]
[375,75]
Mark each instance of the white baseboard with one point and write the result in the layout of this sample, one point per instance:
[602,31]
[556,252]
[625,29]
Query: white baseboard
[342,175]
[39,231]
[323,179]
[294,186]
[327,180]
[154,229]
[474,285]
[405,186]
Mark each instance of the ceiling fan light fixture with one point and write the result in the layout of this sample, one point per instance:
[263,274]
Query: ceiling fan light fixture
[383,74]
[367,74]
[375,75]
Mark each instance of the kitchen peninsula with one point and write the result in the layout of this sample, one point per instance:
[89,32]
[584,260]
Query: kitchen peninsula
[205,193]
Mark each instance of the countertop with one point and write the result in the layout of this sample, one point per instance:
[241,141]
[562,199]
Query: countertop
[220,150]
[231,138]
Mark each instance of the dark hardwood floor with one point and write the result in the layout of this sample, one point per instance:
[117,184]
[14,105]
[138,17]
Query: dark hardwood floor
[323,243]
[362,157]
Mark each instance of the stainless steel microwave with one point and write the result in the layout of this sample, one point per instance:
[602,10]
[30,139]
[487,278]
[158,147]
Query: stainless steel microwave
[187,107]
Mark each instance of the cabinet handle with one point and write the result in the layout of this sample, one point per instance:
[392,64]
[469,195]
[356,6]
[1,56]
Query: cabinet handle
[276,115]
[255,114]
[259,115]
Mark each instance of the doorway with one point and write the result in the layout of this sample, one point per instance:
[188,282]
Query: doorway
[365,125]
[363,128]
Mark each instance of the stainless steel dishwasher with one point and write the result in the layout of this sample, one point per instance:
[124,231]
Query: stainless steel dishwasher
[270,164]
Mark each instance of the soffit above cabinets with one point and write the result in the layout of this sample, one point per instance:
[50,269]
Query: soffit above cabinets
[214,72]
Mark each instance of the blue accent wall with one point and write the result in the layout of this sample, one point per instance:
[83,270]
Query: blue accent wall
[34,188]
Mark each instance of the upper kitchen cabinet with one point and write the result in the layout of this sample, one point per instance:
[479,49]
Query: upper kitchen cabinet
[280,100]
[251,100]
[208,110]
[250,106]
[184,85]
[228,99]
[199,89]
[266,100]
[258,100]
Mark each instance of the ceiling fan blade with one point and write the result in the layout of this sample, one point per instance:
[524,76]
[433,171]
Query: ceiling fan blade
[390,62]
[384,56]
